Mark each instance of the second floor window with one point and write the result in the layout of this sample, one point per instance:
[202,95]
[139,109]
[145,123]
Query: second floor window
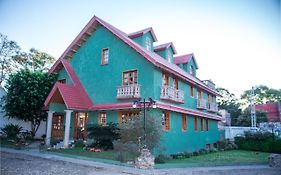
[165,120]
[148,43]
[130,77]
[105,54]
[165,79]
[184,122]
[199,94]
[191,91]
[102,118]
[175,83]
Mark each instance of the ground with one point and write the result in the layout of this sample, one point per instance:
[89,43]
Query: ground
[14,162]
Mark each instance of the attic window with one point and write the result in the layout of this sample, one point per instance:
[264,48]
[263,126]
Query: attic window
[191,70]
[63,81]
[169,57]
[105,53]
[148,43]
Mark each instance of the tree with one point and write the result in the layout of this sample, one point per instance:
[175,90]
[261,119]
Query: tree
[27,91]
[8,63]
[34,60]
[262,94]
[245,118]
[229,102]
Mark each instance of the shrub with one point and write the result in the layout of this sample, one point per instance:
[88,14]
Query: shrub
[26,135]
[161,159]
[11,131]
[103,135]
[79,144]
[259,142]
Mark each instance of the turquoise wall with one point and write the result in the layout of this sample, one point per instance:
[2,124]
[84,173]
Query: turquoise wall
[63,75]
[191,63]
[100,79]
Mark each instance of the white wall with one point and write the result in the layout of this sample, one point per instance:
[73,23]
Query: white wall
[233,131]
[26,125]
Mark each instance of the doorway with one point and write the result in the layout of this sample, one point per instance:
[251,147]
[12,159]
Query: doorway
[58,125]
[80,130]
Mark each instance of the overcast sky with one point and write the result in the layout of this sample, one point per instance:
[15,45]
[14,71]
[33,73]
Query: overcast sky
[236,42]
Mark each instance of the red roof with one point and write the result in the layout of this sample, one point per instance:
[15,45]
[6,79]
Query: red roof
[142,32]
[185,59]
[74,96]
[272,109]
[165,46]
[154,58]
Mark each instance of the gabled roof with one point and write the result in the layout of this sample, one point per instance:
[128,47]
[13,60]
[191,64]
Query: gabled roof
[142,32]
[165,46]
[185,59]
[152,57]
[74,96]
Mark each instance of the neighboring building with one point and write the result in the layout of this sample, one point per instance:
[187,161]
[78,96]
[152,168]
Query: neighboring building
[226,118]
[4,120]
[104,70]
[272,109]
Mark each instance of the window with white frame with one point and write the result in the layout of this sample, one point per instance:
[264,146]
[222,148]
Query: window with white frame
[169,56]
[102,118]
[148,43]
[105,54]
[191,70]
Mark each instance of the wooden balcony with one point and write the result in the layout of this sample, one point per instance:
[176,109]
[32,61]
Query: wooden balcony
[213,107]
[201,104]
[172,94]
[128,91]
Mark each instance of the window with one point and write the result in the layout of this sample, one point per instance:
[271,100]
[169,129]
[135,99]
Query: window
[209,101]
[127,115]
[148,43]
[213,99]
[130,77]
[102,118]
[165,79]
[199,94]
[175,83]
[201,124]
[191,70]
[105,54]
[169,56]
[191,91]
[165,120]
[183,122]
[195,124]
[207,124]
[63,81]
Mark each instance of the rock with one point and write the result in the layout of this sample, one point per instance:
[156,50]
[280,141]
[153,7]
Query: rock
[145,160]
[274,160]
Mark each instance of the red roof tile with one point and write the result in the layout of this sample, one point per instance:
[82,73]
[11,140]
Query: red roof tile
[142,32]
[165,46]
[185,59]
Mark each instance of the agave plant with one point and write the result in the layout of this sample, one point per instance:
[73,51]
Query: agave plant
[12,131]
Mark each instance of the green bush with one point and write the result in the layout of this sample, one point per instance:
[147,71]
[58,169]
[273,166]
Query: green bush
[259,142]
[79,144]
[160,159]
[12,131]
[103,135]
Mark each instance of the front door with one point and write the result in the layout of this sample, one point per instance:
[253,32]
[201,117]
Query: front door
[58,125]
[80,131]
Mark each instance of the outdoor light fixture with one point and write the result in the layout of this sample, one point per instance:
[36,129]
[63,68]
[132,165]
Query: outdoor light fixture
[143,103]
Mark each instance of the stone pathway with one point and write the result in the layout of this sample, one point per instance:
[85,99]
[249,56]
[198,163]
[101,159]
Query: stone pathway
[27,162]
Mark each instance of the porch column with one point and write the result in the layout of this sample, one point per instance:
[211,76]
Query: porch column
[49,127]
[67,128]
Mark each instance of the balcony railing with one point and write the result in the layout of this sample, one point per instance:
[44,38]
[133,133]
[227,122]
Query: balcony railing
[169,93]
[201,104]
[128,91]
[213,107]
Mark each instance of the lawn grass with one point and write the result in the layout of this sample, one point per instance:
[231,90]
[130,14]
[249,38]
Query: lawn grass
[223,158]
[110,155]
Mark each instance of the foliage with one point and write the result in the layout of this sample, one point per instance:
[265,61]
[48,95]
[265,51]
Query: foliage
[245,118]
[259,141]
[79,144]
[225,145]
[262,94]
[161,158]
[12,131]
[103,135]
[34,60]
[27,91]
[229,102]
[8,49]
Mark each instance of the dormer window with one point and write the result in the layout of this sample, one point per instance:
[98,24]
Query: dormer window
[169,56]
[148,43]
[191,70]
[63,81]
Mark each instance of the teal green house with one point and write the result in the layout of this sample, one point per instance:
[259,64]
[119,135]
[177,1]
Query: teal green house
[104,71]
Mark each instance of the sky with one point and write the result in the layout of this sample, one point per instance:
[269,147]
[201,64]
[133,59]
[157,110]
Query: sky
[236,43]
